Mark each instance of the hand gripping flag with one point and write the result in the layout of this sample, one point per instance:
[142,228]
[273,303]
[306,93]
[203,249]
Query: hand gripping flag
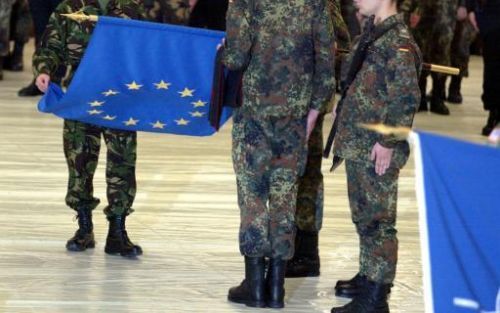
[458,188]
[142,76]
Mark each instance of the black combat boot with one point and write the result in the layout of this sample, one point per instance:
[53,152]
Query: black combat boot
[372,299]
[84,236]
[454,94]
[350,288]
[251,291]
[117,241]
[29,91]
[437,98]
[353,287]
[305,261]
[493,120]
[14,62]
[275,281]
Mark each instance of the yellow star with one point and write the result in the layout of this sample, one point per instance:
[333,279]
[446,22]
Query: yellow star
[131,122]
[94,112]
[182,122]
[96,103]
[162,85]
[186,92]
[133,86]
[197,114]
[110,93]
[109,117]
[198,103]
[158,124]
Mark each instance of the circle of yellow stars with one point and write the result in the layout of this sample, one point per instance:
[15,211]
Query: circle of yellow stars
[135,86]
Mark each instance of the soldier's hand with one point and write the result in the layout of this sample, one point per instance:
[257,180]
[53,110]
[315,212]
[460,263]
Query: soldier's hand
[192,3]
[42,82]
[222,43]
[461,13]
[311,122]
[472,19]
[494,137]
[382,157]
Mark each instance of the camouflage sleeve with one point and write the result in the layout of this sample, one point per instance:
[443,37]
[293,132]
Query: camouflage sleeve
[52,51]
[129,9]
[238,35]
[323,80]
[402,90]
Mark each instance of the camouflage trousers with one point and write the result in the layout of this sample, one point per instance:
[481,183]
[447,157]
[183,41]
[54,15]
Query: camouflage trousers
[5,13]
[309,215]
[373,200]
[434,37]
[82,143]
[460,46]
[268,157]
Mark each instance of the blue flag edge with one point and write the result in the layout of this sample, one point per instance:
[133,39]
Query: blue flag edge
[422,222]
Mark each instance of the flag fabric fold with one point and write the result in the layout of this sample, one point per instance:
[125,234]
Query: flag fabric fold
[142,76]
[458,188]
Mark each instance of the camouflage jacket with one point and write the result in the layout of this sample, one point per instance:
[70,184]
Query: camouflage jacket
[64,41]
[287,47]
[167,11]
[385,90]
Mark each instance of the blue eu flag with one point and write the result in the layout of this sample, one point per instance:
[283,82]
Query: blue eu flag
[142,76]
[458,187]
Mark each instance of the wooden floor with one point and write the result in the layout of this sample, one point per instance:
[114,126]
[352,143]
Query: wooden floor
[186,221]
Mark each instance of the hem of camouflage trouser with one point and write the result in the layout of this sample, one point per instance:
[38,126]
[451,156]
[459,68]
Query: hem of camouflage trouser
[269,256]
[383,281]
[90,206]
[114,211]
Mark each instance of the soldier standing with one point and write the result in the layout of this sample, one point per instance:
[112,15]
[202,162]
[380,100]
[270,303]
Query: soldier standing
[380,82]
[309,214]
[484,15]
[64,43]
[465,34]
[434,34]
[286,48]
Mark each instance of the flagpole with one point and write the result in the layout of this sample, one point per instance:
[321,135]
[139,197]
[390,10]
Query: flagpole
[398,131]
[425,66]
[80,17]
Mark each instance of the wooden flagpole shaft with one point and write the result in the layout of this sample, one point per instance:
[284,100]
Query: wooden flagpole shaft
[80,17]
[426,66]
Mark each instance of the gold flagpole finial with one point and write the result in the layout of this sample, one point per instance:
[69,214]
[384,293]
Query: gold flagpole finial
[400,132]
[80,17]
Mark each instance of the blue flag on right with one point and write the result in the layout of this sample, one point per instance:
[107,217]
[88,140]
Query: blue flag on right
[458,188]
